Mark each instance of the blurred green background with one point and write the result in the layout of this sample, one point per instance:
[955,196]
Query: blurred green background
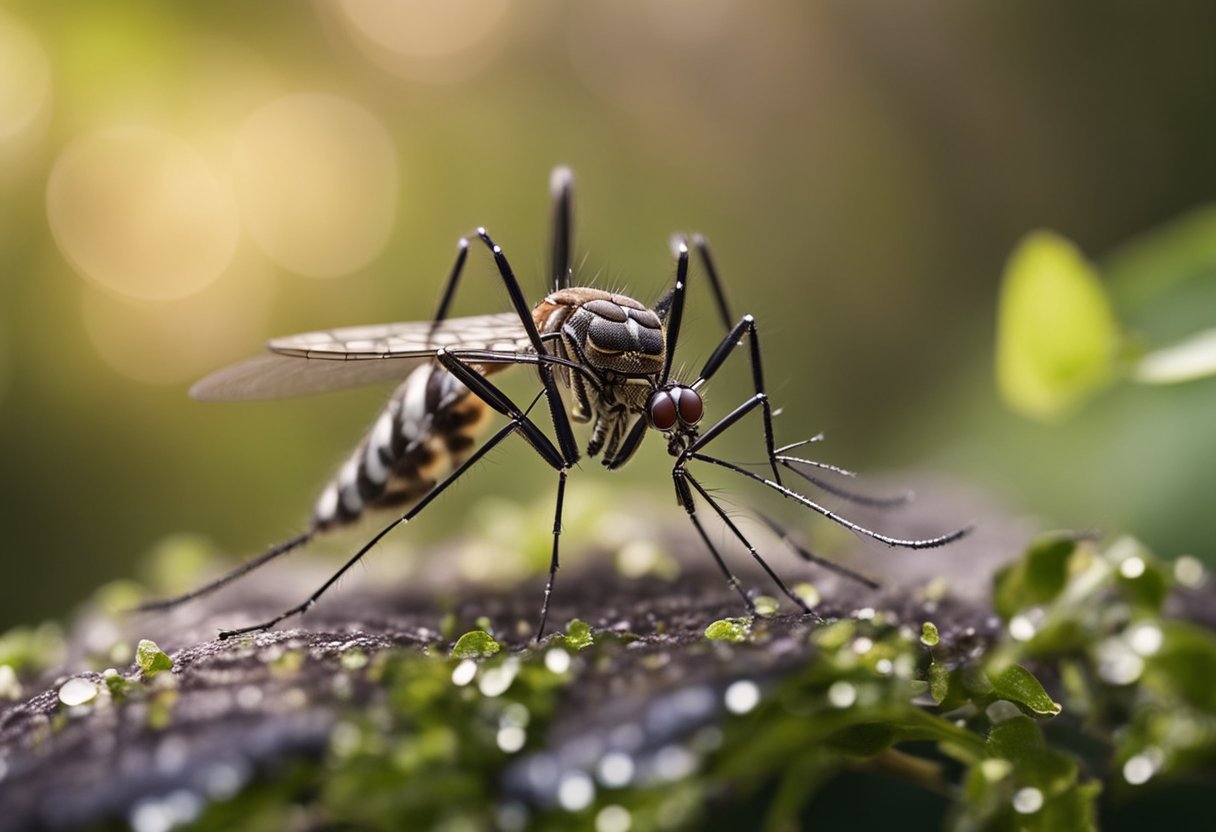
[180,181]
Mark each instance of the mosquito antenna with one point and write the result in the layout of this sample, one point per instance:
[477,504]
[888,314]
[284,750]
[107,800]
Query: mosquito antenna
[807,555]
[223,580]
[844,493]
[921,543]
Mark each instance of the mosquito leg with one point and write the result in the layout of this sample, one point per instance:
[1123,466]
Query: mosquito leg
[715,283]
[809,556]
[561,190]
[730,524]
[685,498]
[486,447]
[553,562]
[557,408]
[746,327]
[913,543]
[223,580]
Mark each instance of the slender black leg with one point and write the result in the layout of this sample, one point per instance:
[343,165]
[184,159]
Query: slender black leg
[561,191]
[916,543]
[730,524]
[715,283]
[520,422]
[449,285]
[502,433]
[557,409]
[685,498]
[553,561]
[223,580]
[746,327]
[809,556]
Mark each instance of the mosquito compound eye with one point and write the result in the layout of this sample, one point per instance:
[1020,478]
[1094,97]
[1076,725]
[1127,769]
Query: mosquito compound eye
[663,413]
[688,405]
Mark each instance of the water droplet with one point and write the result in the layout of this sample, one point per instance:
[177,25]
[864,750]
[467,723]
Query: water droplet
[575,792]
[615,769]
[1027,801]
[77,691]
[464,672]
[1021,628]
[742,696]
[1132,567]
[1117,663]
[613,819]
[511,738]
[674,762]
[842,694]
[1138,769]
[557,660]
[494,681]
[1189,571]
[1145,639]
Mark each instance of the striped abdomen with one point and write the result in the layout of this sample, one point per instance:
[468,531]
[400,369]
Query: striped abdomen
[427,428]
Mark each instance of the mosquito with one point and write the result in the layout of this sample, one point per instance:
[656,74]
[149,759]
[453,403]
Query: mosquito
[612,353]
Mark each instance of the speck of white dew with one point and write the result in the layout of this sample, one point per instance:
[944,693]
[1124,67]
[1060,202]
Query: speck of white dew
[842,694]
[1145,639]
[10,687]
[1027,801]
[494,681]
[1132,567]
[575,792]
[511,738]
[1188,571]
[615,769]
[77,691]
[1117,664]
[613,819]
[1021,628]
[1138,769]
[464,672]
[742,696]
[863,645]
[557,660]
[674,762]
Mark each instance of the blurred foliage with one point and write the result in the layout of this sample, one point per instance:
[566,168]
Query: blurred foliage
[1089,706]
[1057,340]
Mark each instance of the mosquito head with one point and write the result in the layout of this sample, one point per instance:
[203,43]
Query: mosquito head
[675,409]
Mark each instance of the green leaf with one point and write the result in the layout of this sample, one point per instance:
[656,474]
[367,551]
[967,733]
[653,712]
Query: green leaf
[1016,739]
[729,629]
[1056,334]
[1019,686]
[1185,665]
[150,658]
[928,634]
[578,634]
[1037,578]
[946,687]
[864,740]
[475,644]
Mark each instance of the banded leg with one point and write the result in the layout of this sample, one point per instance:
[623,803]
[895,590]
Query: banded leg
[519,422]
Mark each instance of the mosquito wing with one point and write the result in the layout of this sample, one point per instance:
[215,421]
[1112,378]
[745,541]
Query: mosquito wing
[313,362]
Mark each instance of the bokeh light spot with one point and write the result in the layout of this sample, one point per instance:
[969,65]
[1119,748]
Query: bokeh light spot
[179,341]
[25,79]
[317,180]
[432,40]
[142,213]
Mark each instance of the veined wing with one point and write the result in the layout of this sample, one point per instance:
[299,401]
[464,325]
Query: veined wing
[313,362]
